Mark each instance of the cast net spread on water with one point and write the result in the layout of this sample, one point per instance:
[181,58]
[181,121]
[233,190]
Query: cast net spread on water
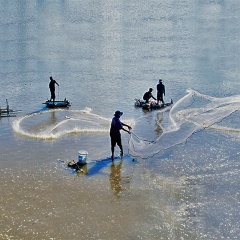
[55,123]
[192,113]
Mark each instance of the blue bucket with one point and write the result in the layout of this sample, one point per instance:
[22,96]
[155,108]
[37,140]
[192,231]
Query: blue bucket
[82,157]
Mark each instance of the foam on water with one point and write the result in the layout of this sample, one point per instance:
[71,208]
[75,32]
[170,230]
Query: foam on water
[192,113]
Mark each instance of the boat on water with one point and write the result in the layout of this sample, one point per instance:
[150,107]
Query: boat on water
[57,104]
[7,112]
[151,105]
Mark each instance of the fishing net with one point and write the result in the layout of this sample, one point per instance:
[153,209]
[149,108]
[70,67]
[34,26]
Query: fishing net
[192,113]
[53,124]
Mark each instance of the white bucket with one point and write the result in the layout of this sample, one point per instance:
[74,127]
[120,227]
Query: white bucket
[82,157]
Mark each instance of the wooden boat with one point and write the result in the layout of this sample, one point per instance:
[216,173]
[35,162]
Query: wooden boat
[7,112]
[151,105]
[57,104]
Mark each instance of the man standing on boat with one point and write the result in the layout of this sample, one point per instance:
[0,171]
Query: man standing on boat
[160,91]
[115,134]
[52,88]
[148,95]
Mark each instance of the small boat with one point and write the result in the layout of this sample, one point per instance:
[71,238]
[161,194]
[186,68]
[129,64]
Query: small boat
[57,104]
[7,112]
[151,105]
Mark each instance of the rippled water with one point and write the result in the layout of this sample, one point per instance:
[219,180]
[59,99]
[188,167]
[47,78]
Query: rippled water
[184,180]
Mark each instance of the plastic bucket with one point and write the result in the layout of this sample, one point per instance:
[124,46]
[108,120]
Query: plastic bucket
[82,157]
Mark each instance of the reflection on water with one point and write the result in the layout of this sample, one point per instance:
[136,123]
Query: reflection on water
[53,118]
[83,170]
[118,182]
[115,178]
[158,123]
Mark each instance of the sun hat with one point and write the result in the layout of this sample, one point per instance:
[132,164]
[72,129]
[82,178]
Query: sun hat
[118,113]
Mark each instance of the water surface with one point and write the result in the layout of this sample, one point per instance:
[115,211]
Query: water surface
[184,181]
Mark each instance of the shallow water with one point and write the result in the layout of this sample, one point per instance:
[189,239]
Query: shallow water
[183,182]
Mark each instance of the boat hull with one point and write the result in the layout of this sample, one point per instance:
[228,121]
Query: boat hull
[57,104]
[151,105]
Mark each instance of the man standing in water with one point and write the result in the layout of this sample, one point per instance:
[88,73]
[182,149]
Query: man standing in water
[115,134]
[160,91]
[52,88]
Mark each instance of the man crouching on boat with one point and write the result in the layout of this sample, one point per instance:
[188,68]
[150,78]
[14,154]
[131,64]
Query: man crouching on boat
[115,134]
[148,95]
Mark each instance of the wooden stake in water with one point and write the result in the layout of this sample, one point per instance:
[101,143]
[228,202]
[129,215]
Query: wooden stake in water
[7,108]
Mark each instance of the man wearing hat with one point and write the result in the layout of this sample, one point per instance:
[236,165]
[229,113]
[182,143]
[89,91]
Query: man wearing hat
[160,91]
[115,134]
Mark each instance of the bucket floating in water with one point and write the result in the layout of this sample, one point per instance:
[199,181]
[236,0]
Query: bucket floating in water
[82,157]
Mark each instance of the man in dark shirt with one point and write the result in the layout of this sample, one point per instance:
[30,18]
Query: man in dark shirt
[148,95]
[52,88]
[115,134]
[160,91]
